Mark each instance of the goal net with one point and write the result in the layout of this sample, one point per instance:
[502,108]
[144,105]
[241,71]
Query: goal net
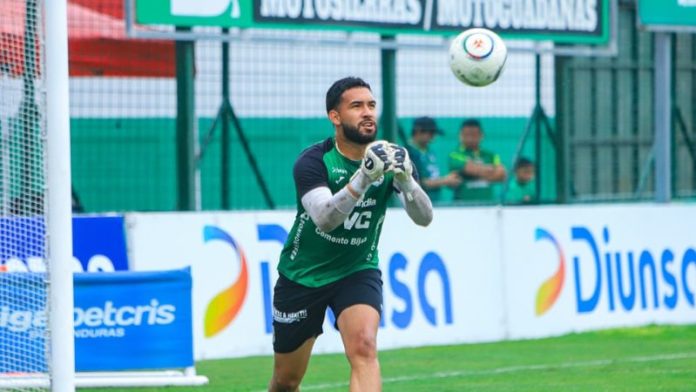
[24,336]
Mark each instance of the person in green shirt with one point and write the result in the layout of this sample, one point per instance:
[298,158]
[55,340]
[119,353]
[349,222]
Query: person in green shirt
[522,189]
[478,168]
[422,134]
[330,258]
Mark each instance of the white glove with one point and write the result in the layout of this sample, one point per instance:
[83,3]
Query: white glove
[401,162]
[376,160]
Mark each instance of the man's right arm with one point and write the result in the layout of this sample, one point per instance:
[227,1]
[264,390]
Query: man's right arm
[328,210]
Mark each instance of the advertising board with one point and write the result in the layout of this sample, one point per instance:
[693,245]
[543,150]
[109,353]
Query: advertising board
[440,287]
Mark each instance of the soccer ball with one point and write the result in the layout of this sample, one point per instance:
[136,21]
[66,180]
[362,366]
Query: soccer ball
[477,57]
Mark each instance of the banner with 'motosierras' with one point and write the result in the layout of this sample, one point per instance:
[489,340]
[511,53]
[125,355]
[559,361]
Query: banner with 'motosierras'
[575,21]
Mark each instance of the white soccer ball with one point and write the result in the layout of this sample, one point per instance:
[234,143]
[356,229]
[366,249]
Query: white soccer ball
[477,57]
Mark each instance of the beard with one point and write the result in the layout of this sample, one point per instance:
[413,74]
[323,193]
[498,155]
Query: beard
[353,134]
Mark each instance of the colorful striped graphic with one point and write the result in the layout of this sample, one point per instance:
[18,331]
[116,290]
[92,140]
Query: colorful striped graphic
[551,288]
[223,308]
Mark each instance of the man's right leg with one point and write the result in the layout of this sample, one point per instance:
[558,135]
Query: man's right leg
[298,314]
[289,368]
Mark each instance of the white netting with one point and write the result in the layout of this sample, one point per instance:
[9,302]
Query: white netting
[23,294]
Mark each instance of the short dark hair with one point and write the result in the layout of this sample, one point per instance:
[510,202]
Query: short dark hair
[425,124]
[523,162]
[333,95]
[471,122]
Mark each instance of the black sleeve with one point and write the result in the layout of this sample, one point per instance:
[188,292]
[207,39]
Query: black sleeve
[310,171]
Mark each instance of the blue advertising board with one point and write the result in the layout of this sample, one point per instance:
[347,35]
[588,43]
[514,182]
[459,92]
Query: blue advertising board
[133,320]
[99,243]
[22,322]
[123,320]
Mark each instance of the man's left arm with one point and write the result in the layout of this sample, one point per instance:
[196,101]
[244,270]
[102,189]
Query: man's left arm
[414,199]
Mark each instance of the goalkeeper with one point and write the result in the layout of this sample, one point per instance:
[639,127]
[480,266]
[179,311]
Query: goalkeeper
[330,257]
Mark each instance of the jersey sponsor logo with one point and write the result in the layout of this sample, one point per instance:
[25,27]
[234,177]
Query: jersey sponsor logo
[366,203]
[298,234]
[330,238]
[357,241]
[359,220]
[339,170]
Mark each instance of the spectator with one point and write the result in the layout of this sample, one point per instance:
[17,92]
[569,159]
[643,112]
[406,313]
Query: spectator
[479,169]
[522,189]
[422,134]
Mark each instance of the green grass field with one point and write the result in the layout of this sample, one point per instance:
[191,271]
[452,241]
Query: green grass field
[655,358]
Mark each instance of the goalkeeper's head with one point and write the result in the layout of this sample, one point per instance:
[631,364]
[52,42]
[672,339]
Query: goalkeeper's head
[335,92]
[352,110]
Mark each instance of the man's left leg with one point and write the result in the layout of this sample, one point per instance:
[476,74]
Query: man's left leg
[358,325]
[357,304]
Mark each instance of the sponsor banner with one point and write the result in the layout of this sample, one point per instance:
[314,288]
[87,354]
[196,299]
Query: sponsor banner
[22,244]
[123,320]
[230,299]
[475,274]
[133,320]
[579,21]
[23,301]
[582,268]
[441,283]
[667,15]
[99,244]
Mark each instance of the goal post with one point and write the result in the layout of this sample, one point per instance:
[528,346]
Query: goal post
[59,201]
[36,309]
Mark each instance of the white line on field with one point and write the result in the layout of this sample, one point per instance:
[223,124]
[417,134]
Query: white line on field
[514,369]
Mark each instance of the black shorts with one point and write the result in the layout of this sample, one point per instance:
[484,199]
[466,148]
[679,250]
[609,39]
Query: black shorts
[298,311]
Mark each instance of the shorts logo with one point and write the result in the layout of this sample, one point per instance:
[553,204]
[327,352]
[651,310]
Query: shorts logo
[551,288]
[225,306]
[289,318]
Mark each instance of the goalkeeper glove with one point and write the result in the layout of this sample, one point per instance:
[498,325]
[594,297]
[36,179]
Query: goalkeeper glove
[403,168]
[376,160]
[374,164]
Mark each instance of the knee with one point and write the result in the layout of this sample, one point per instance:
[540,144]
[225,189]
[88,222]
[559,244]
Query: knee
[363,346]
[285,384]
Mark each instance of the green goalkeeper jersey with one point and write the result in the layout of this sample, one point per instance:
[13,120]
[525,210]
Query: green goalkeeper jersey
[314,258]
